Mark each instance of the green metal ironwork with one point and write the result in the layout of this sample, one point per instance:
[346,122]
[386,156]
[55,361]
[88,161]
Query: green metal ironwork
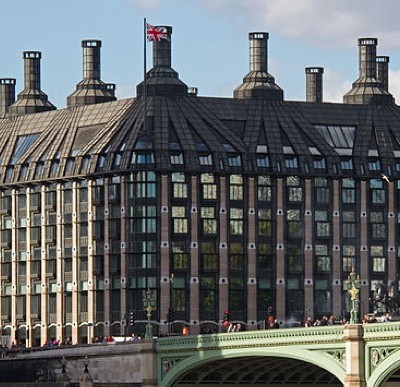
[353,287]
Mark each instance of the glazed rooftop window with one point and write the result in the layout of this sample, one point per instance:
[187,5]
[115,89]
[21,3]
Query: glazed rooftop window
[337,136]
[22,145]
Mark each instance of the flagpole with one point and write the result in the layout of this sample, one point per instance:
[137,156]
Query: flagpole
[145,74]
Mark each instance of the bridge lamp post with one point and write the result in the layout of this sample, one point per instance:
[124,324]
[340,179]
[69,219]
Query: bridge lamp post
[353,284]
[149,303]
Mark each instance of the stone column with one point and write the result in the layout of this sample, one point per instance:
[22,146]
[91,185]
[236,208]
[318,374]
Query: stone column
[354,345]
[149,359]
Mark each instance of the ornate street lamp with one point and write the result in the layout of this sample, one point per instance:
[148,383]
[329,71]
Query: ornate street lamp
[149,303]
[353,287]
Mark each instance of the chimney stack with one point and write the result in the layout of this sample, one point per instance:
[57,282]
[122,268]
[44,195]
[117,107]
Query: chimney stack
[31,99]
[162,79]
[91,89]
[382,71]
[258,83]
[367,89]
[314,85]
[7,94]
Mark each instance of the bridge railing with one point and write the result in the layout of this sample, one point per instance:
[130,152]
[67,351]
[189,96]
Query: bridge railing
[378,331]
[289,336]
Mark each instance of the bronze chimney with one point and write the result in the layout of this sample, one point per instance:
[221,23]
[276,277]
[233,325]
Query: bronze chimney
[7,94]
[31,99]
[314,86]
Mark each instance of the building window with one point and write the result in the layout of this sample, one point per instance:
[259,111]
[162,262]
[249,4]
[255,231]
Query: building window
[322,223]
[209,188]
[142,158]
[176,158]
[179,186]
[180,256]
[322,302]
[70,164]
[378,193]
[348,191]
[265,222]
[145,184]
[319,163]
[234,160]
[349,224]
[265,257]
[374,165]
[346,164]
[322,192]
[295,258]
[236,221]
[378,264]
[378,259]
[294,225]
[22,145]
[208,220]
[206,159]
[378,226]
[263,161]
[264,188]
[116,163]
[208,290]
[337,136]
[180,223]
[236,257]
[295,192]
[323,261]
[295,298]
[209,256]
[291,163]
[236,187]
[349,260]
[237,294]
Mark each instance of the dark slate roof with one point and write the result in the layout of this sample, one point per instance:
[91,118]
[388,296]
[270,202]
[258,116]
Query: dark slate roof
[222,127]
[254,133]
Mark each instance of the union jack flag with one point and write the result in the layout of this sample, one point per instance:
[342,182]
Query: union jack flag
[156,33]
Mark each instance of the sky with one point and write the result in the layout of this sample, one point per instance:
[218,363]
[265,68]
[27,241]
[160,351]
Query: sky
[210,47]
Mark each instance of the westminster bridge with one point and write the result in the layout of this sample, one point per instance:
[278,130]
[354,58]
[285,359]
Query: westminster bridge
[353,355]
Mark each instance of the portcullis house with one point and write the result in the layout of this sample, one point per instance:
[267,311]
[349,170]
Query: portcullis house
[193,205]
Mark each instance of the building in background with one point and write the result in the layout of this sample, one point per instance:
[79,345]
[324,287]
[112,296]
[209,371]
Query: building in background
[195,206]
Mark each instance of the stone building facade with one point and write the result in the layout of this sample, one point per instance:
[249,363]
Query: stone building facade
[199,204]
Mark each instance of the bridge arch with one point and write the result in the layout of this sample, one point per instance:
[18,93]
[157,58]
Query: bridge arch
[384,369]
[318,359]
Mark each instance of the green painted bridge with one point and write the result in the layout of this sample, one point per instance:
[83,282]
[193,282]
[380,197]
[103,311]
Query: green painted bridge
[352,355]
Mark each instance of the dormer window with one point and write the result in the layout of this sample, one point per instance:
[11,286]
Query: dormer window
[70,164]
[346,164]
[291,163]
[234,160]
[374,165]
[206,159]
[319,163]
[263,161]
[176,158]
[142,158]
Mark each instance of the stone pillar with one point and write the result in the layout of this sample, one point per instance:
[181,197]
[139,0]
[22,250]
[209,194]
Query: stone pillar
[280,254]
[308,249]
[149,359]
[252,317]
[166,285]
[223,250]
[194,259]
[354,345]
